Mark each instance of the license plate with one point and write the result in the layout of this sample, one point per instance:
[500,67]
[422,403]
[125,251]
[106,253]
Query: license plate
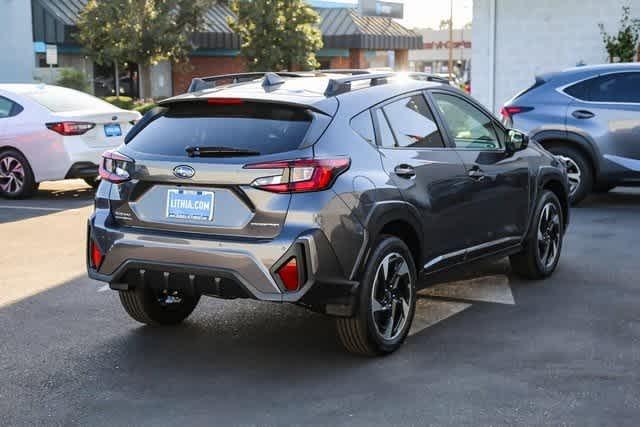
[112,129]
[190,204]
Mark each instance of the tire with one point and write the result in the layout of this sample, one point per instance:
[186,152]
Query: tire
[578,168]
[93,182]
[368,332]
[16,176]
[531,262]
[144,305]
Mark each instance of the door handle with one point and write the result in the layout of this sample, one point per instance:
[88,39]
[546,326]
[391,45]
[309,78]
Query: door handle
[405,171]
[477,174]
[582,114]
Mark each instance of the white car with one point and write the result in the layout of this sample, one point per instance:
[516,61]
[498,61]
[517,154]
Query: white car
[50,133]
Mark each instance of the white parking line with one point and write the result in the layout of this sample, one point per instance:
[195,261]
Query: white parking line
[31,208]
[103,288]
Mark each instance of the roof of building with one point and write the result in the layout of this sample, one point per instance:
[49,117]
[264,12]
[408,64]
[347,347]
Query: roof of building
[54,22]
[345,28]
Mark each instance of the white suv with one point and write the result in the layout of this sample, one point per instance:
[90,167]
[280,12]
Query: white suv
[51,133]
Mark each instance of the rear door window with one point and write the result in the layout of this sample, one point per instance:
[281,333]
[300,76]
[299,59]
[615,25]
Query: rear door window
[617,87]
[6,107]
[257,127]
[412,123]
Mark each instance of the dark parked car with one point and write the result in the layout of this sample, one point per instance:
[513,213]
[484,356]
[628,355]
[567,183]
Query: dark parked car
[331,191]
[590,117]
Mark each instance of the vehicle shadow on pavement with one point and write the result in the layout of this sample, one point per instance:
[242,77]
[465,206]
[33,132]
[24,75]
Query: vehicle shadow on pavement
[619,197]
[50,198]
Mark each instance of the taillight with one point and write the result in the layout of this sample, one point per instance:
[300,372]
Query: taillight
[71,128]
[115,167]
[509,111]
[300,176]
[95,255]
[289,275]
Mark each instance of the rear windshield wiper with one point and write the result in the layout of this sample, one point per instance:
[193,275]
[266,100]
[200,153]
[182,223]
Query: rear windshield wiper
[219,152]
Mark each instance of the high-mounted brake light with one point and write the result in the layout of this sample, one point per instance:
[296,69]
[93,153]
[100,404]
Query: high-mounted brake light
[225,101]
[71,128]
[300,176]
[288,273]
[510,111]
[115,167]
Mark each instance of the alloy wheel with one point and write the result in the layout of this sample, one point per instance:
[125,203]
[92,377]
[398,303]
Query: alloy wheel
[549,235]
[391,296]
[12,175]
[573,173]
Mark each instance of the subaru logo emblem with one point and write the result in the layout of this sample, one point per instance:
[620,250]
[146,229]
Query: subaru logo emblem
[184,171]
[114,118]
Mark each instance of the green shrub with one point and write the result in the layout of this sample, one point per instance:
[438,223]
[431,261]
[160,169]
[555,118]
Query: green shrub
[144,107]
[124,102]
[74,79]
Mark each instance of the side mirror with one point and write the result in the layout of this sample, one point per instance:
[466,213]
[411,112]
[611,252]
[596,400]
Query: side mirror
[517,141]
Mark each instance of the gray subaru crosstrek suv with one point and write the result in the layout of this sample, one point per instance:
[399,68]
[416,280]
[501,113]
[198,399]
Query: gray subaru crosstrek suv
[335,192]
[590,118]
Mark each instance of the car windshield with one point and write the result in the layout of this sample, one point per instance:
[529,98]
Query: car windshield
[60,100]
[255,127]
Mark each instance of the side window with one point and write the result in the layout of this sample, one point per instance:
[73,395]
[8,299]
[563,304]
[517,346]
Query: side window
[413,124]
[6,107]
[619,87]
[386,137]
[468,126]
[363,126]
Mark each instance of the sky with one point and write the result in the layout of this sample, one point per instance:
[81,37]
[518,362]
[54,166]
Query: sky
[429,13]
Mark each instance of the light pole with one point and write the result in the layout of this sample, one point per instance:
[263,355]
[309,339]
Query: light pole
[451,40]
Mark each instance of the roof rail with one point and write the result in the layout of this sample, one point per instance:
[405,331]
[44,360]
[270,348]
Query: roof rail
[343,85]
[351,71]
[202,83]
[427,77]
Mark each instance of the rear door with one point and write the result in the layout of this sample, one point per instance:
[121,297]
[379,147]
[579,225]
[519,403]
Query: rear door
[429,175]
[190,173]
[607,107]
[497,184]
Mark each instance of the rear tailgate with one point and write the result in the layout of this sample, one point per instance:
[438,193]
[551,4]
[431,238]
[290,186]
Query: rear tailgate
[110,126]
[211,193]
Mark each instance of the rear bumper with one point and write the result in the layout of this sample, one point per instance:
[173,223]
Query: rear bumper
[222,268]
[82,170]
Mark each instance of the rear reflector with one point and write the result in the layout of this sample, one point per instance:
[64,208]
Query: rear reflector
[288,273]
[95,254]
[300,176]
[71,128]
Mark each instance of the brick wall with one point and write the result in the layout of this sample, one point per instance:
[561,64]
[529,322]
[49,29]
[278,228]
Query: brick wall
[202,66]
[402,60]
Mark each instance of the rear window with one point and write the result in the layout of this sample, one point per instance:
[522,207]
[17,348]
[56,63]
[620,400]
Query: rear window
[60,100]
[259,127]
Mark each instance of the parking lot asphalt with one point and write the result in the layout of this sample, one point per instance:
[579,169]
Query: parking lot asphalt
[486,349]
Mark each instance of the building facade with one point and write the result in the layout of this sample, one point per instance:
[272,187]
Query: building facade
[16,57]
[351,40]
[433,57]
[515,40]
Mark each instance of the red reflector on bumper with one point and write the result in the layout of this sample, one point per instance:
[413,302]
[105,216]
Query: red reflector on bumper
[96,255]
[289,275]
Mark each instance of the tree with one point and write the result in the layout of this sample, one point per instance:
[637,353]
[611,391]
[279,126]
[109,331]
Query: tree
[623,47]
[141,31]
[444,24]
[277,34]
[74,79]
